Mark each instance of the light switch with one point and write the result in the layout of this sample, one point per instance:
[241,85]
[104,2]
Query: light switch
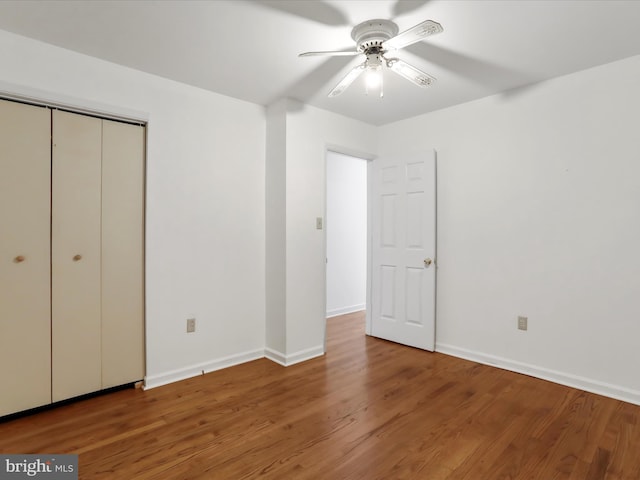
[522,323]
[319,223]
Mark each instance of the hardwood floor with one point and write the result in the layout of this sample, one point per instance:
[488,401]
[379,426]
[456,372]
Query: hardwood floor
[369,409]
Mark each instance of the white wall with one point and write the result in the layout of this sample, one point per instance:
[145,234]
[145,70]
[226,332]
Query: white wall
[276,214]
[537,211]
[346,226]
[205,236]
[538,195]
[309,132]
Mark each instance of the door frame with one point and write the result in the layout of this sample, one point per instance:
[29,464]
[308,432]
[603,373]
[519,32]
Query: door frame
[368,157]
[35,96]
[82,106]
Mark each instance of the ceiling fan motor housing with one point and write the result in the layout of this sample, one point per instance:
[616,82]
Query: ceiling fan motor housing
[370,35]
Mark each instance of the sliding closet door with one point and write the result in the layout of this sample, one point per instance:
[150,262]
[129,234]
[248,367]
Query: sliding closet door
[122,253]
[25,353]
[75,250]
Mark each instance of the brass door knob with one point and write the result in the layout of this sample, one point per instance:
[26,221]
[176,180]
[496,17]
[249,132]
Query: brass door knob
[427,262]
[77,258]
[19,259]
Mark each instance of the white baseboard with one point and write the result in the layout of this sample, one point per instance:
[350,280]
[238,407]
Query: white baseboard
[304,355]
[171,376]
[153,381]
[344,310]
[276,356]
[292,359]
[567,379]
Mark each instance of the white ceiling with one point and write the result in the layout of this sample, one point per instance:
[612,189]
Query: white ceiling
[248,49]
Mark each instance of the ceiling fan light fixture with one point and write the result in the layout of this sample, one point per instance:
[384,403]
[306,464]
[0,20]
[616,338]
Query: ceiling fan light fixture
[374,77]
[374,38]
[373,80]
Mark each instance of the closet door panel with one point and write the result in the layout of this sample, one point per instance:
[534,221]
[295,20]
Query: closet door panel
[25,352]
[76,237]
[122,253]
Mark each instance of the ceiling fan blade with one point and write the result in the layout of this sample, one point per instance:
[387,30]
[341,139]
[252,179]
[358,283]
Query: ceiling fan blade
[413,35]
[329,54]
[410,72]
[347,80]
[321,12]
[402,7]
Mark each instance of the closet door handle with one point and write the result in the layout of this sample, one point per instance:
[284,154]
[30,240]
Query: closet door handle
[77,258]
[19,259]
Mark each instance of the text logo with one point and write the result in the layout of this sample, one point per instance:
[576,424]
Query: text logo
[51,467]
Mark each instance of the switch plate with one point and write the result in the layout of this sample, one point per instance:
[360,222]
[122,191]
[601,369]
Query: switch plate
[319,223]
[522,323]
[191,325]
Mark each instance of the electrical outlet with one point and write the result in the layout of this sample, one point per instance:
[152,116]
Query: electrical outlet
[522,323]
[191,325]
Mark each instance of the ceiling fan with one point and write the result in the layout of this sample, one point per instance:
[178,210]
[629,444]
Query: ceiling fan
[374,38]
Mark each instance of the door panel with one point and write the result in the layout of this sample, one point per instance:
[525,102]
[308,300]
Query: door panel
[404,236]
[76,237]
[25,319]
[387,291]
[122,253]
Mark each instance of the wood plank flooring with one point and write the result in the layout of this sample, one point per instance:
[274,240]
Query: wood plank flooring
[369,409]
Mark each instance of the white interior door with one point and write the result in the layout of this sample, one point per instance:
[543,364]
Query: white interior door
[403,247]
